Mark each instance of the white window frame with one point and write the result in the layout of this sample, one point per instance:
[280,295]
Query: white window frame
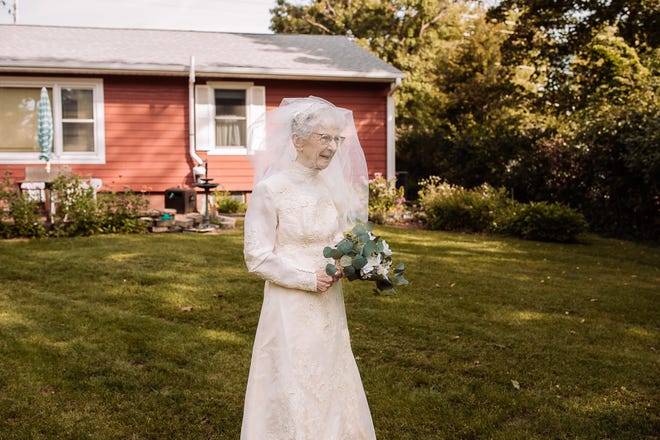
[205,115]
[59,156]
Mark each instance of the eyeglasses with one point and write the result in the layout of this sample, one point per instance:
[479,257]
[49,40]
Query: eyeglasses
[327,138]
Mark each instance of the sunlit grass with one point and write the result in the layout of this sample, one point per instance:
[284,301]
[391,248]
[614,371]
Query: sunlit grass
[149,337]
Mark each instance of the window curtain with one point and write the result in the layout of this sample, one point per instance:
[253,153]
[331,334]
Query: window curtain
[229,133]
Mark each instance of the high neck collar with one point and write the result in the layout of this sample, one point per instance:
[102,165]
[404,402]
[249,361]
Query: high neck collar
[302,170]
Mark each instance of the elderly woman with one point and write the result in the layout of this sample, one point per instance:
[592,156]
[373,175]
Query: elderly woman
[311,184]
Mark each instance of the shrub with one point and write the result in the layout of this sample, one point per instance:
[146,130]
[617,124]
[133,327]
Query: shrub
[454,208]
[545,222]
[26,218]
[386,201]
[225,202]
[120,211]
[21,216]
[76,211]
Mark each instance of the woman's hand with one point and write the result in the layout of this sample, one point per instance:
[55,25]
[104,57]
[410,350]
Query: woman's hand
[325,281]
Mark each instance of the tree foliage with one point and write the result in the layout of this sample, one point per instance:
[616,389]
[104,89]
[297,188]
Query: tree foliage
[547,34]
[557,100]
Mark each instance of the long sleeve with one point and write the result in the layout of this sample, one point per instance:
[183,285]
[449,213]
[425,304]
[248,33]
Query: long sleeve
[261,224]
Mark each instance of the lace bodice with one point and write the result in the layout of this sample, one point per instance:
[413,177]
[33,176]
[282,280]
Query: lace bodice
[290,220]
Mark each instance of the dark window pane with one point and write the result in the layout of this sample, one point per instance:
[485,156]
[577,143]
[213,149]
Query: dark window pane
[77,104]
[230,102]
[78,136]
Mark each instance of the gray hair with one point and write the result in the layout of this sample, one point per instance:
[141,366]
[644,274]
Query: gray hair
[304,122]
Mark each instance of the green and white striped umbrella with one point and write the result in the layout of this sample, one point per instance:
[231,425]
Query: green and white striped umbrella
[45,126]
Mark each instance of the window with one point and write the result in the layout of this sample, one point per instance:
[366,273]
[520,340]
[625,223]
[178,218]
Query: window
[77,106]
[223,114]
[230,118]
[77,120]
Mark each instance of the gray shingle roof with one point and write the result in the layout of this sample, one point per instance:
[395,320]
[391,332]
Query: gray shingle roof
[100,50]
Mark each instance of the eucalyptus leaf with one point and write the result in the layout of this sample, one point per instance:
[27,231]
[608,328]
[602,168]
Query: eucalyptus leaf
[359,262]
[369,248]
[330,269]
[401,281]
[335,254]
[359,230]
[345,246]
[364,238]
[345,260]
[327,252]
[350,271]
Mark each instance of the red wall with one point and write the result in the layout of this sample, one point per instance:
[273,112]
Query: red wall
[146,134]
[146,131]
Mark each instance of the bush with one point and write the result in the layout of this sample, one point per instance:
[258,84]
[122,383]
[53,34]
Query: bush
[79,212]
[76,211]
[544,221]
[21,216]
[120,212]
[386,201]
[454,208]
[225,202]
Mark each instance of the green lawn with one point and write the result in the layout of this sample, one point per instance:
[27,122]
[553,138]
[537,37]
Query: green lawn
[149,337]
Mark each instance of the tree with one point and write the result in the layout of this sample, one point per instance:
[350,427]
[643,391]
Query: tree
[455,101]
[555,99]
[480,124]
[547,34]
[602,156]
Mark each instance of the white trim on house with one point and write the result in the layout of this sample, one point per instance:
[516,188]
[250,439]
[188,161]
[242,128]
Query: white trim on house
[59,156]
[229,73]
[255,101]
[391,131]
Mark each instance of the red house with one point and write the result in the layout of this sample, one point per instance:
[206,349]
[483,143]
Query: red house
[145,108]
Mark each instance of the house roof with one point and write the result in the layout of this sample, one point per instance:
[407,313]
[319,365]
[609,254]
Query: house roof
[49,49]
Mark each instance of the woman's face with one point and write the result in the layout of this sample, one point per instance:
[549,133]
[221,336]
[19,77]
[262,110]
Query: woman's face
[319,148]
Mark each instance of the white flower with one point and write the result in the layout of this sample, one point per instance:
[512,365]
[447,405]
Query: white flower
[373,261]
[384,268]
[386,249]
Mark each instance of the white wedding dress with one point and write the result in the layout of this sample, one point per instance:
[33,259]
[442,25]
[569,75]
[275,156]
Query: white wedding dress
[304,383]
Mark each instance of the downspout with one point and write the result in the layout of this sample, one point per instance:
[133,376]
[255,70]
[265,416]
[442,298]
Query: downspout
[391,130]
[198,168]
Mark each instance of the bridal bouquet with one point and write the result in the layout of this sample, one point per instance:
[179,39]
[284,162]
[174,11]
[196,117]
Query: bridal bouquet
[362,256]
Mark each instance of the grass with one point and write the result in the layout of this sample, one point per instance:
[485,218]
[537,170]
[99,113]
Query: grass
[149,337]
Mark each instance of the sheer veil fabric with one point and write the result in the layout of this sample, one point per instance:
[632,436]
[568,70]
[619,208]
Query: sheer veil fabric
[271,151]
[303,383]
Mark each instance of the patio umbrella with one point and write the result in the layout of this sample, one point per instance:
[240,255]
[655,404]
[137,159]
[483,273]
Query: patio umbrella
[45,127]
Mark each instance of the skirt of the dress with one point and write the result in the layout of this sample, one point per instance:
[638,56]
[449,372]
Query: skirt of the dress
[304,383]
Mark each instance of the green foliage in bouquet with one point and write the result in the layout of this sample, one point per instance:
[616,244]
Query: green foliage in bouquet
[363,256]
